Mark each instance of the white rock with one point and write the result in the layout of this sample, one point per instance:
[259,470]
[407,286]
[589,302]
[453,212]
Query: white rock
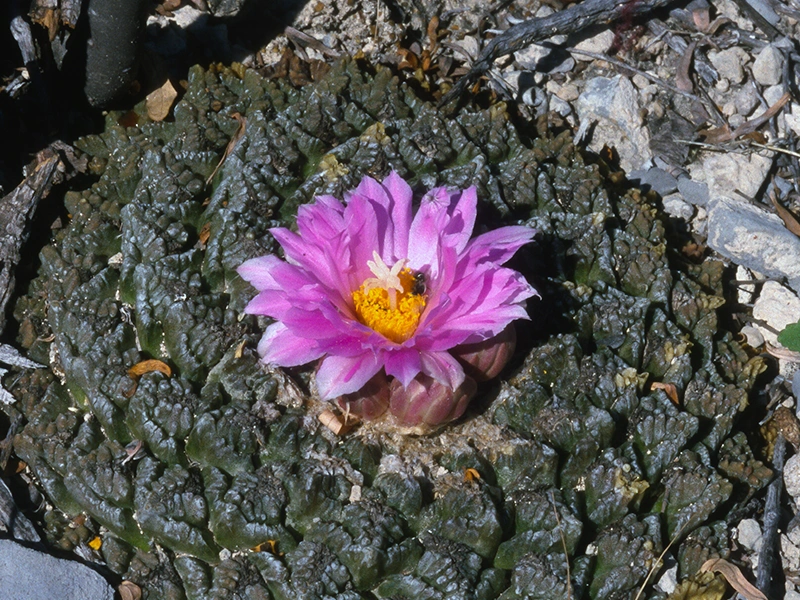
[669,580]
[778,307]
[728,63]
[748,532]
[791,594]
[792,118]
[768,66]
[614,104]
[727,172]
[791,476]
[600,44]
[676,206]
[790,554]
[755,238]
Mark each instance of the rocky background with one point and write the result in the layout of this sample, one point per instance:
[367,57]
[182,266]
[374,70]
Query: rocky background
[621,450]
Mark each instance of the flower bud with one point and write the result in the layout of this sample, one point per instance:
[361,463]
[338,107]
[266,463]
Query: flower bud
[426,402]
[485,360]
[370,402]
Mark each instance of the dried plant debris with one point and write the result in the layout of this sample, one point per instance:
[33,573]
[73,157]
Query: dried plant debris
[567,479]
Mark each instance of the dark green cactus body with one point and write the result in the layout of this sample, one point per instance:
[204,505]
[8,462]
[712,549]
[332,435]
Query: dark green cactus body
[576,464]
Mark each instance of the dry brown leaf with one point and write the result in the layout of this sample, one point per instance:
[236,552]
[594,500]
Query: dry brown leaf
[669,389]
[205,233]
[753,124]
[787,217]
[683,80]
[129,591]
[471,474]
[231,143]
[159,102]
[734,576]
[148,366]
[724,133]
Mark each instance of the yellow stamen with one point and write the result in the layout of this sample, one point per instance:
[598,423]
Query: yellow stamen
[386,302]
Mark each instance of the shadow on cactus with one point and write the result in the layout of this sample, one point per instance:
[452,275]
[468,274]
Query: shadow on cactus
[568,478]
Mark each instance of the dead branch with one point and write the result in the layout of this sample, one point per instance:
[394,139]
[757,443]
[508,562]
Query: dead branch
[570,20]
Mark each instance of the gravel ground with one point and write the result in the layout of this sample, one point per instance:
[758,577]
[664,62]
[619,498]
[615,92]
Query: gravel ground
[695,104]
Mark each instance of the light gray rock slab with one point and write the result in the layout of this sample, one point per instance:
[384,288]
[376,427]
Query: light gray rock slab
[694,192]
[656,179]
[725,173]
[27,574]
[613,104]
[750,236]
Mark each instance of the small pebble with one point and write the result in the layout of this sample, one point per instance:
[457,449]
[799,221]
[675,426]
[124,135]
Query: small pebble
[791,476]
[728,63]
[768,66]
[749,534]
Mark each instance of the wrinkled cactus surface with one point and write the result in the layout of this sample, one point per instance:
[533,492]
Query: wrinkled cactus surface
[611,433]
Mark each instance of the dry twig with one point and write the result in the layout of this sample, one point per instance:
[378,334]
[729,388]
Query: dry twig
[570,20]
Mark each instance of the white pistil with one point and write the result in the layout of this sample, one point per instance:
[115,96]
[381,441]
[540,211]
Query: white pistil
[385,278]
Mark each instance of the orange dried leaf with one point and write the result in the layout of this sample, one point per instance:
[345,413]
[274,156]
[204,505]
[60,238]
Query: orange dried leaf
[471,475]
[96,543]
[205,233]
[159,102]
[734,576]
[669,389]
[148,366]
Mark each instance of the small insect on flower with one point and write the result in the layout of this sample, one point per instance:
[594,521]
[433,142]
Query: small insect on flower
[418,287]
[403,310]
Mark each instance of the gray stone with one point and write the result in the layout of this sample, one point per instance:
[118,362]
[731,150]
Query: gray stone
[725,173]
[600,44]
[695,192]
[752,237]
[745,100]
[728,63]
[613,103]
[791,476]
[27,574]
[748,533]
[768,66]
[655,179]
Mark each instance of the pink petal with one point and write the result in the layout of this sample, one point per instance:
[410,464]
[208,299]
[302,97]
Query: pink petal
[258,271]
[498,246]
[442,367]
[338,375]
[401,196]
[458,229]
[279,346]
[404,364]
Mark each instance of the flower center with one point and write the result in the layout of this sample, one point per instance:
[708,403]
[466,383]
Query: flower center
[392,301]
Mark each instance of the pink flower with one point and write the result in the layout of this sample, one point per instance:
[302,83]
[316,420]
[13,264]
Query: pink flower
[368,287]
